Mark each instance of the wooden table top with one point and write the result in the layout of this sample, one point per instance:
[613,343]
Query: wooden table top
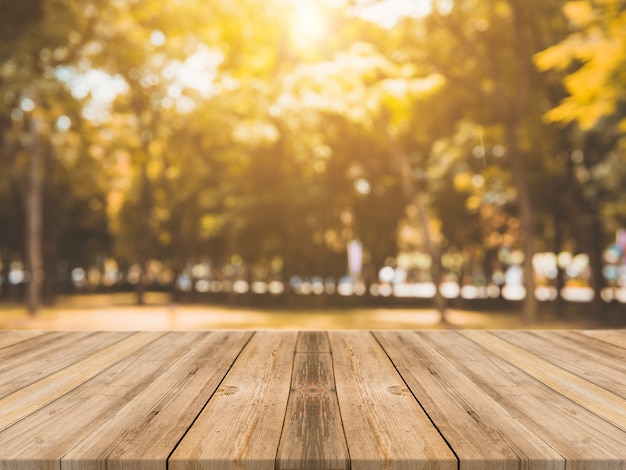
[313,400]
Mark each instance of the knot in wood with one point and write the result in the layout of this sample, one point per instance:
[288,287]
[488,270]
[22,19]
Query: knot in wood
[226,390]
[398,390]
[312,390]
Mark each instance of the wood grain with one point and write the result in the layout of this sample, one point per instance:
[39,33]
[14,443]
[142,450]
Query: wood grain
[313,341]
[38,394]
[584,439]
[314,400]
[51,432]
[23,352]
[312,436]
[9,338]
[35,359]
[241,425]
[614,337]
[483,434]
[385,426]
[587,394]
[591,360]
[143,432]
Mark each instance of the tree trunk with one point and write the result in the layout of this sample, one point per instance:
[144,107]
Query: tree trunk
[596,263]
[34,220]
[416,196]
[432,247]
[529,308]
[518,104]
[559,304]
[148,117]
[588,231]
[143,241]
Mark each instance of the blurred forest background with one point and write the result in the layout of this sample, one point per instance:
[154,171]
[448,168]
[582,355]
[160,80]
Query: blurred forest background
[298,149]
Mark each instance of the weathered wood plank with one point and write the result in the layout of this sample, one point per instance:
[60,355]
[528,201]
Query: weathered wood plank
[614,337]
[313,341]
[590,359]
[41,439]
[33,360]
[312,436]
[142,433]
[9,338]
[482,433]
[385,427]
[121,401]
[584,439]
[241,425]
[589,395]
[23,352]
[38,394]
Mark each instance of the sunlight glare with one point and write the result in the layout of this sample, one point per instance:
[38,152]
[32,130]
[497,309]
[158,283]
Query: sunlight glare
[387,13]
[309,24]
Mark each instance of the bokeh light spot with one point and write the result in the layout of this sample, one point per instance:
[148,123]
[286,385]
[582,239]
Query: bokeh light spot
[63,124]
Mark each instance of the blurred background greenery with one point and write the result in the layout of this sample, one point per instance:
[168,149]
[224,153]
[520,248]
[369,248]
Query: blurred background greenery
[291,154]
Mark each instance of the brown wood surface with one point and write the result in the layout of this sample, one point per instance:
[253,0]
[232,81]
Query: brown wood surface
[385,427]
[312,434]
[591,397]
[27,400]
[242,423]
[613,337]
[593,361]
[8,338]
[582,437]
[472,400]
[142,433]
[483,434]
[44,355]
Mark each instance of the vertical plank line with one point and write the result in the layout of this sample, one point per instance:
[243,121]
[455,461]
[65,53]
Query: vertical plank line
[282,429]
[193,421]
[343,429]
[458,460]
[279,461]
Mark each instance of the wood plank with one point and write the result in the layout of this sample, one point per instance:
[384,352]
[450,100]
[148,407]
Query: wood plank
[41,439]
[483,434]
[385,427]
[614,337]
[11,337]
[313,435]
[595,361]
[589,395]
[121,401]
[607,353]
[38,394]
[241,425]
[23,352]
[34,360]
[141,434]
[312,341]
[584,439]
[578,342]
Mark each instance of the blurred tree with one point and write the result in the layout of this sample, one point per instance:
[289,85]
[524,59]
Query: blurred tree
[283,131]
[39,39]
[593,57]
[495,85]
[385,102]
[590,63]
[168,61]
